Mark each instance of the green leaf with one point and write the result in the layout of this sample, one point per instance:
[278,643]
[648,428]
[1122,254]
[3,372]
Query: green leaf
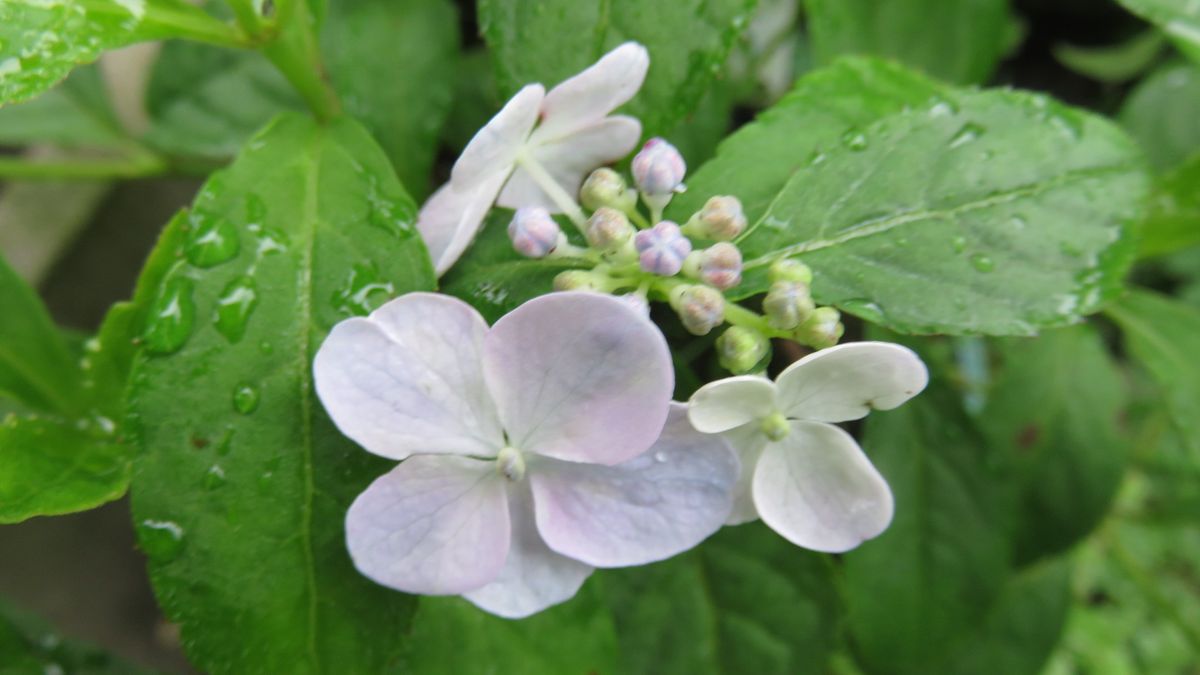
[1164,336]
[548,41]
[243,482]
[1179,19]
[955,40]
[930,578]
[42,40]
[393,62]
[1172,221]
[28,646]
[993,212]
[76,112]
[1161,114]
[1114,63]
[1053,412]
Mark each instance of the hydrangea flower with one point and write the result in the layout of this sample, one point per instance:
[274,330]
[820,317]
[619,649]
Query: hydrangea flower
[532,452]
[511,162]
[806,478]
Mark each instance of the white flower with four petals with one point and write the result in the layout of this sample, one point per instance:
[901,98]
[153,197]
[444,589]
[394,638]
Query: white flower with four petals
[533,451]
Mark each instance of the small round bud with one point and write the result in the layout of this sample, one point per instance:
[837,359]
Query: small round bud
[790,270]
[788,304]
[605,187]
[822,329]
[742,350]
[658,168]
[580,280]
[662,249]
[534,233]
[721,266]
[721,219]
[511,464]
[608,229]
[775,426]
[700,308]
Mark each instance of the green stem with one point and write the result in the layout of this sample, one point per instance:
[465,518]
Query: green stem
[176,21]
[82,169]
[247,17]
[296,54]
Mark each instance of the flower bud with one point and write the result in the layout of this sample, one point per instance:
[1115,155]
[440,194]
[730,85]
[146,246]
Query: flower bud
[662,249]
[608,229]
[605,187]
[721,266]
[699,307]
[721,219]
[580,280]
[534,233]
[658,168]
[743,350]
[822,329]
[788,304]
[790,270]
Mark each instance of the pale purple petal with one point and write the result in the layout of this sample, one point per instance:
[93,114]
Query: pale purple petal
[731,402]
[436,525]
[570,158]
[408,379]
[534,577]
[817,489]
[748,441]
[593,93]
[847,381]
[449,219]
[494,148]
[579,376]
[649,508]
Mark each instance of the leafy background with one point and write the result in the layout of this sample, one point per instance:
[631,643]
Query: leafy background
[1047,487]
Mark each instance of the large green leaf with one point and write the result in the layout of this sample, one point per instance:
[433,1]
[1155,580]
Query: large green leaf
[1164,336]
[76,112]
[1161,114]
[548,41]
[393,62]
[976,212]
[1053,412]
[242,484]
[931,577]
[1172,221]
[42,40]
[1179,19]
[956,40]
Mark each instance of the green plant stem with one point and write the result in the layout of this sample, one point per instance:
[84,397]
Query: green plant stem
[82,169]
[247,17]
[187,22]
[295,52]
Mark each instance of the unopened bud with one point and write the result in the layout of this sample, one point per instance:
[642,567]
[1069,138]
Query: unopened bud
[580,280]
[534,233]
[822,329]
[721,219]
[790,270]
[788,304]
[742,350]
[605,187]
[700,308]
[721,266]
[608,229]
[658,168]
[662,249]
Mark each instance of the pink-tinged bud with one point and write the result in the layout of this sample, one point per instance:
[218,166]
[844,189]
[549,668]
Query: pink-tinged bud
[662,249]
[658,168]
[721,219]
[608,229]
[700,308]
[605,187]
[581,280]
[534,233]
[721,266]
[788,304]
[822,329]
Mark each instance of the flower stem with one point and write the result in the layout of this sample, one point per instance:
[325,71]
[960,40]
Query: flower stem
[552,189]
[295,52]
[82,169]
[162,20]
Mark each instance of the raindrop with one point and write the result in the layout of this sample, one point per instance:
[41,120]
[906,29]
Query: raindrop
[363,292]
[863,308]
[256,210]
[162,540]
[171,317]
[969,132]
[854,139]
[213,240]
[226,443]
[234,307]
[266,348]
[245,399]
[214,477]
[959,243]
[982,263]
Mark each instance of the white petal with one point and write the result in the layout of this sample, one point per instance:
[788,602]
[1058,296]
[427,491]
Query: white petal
[570,159]
[408,379]
[731,402]
[748,442]
[845,382]
[595,92]
[494,148]
[579,376]
[652,507]
[818,489]
[436,524]
[534,577]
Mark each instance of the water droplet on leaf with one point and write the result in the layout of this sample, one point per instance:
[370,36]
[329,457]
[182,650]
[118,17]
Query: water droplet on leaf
[854,139]
[982,263]
[212,241]
[245,399]
[234,307]
[162,540]
[363,292]
[170,319]
[969,132]
[214,477]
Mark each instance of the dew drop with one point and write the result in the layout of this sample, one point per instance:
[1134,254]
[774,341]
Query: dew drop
[214,477]
[364,291]
[213,240]
[171,317]
[226,443]
[982,263]
[387,215]
[861,307]
[966,134]
[162,540]
[256,210]
[817,157]
[245,399]
[959,243]
[854,139]
[234,307]
[266,348]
